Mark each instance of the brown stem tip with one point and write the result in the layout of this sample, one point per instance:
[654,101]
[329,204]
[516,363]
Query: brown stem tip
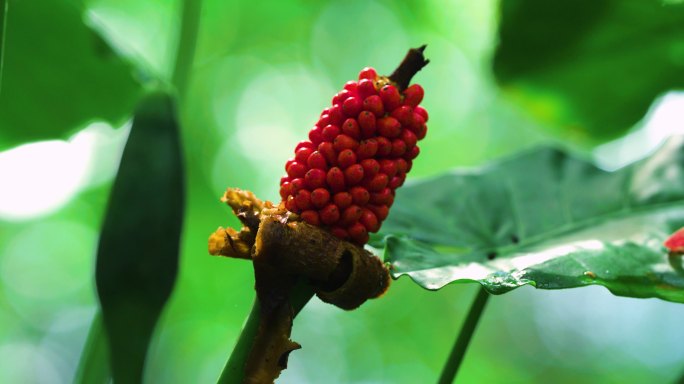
[412,63]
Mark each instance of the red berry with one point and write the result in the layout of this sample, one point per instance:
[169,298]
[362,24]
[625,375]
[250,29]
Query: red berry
[368,73]
[330,132]
[365,88]
[302,154]
[341,96]
[404,114]
[388,167]
[409,138]
[335,115]
[358,233]
[317,161]
[296,169]
[316,135]
[285,190]
[303,199]
[346,158]
[343,199]
[351,107]
[416,122]
[351,128]
[422,112]
[413,95]
[328,151]
[378,182]
[320,197]
[398,147]
[291,205]
[351,214]
[373,104]
[351,86]
[389,127]
[367,149]
[384,147]
[330,214]
[297,184]
[370,167]
[339,233]
[335,179]
[360,195]
[343,142]
[369,220]
[381,198]
[390,97]
[367,123]
[412,154]
[324,119]
[380,211]
[315,178]
[397,181]
[311,217]
[353,174]
[421,131]
[402,166]
[304,144]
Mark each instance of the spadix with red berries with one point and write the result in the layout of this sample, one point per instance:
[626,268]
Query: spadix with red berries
[675,243]
[345,176]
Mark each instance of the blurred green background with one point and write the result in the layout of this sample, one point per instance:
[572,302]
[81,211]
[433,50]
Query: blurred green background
[262,74]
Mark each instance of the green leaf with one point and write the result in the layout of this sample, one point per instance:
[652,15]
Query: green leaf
[590,67]
[58,74]
[137,258]
[547,219]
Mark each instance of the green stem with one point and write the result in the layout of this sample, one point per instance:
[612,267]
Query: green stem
[185,52]
[4,11]
[458,352]
[94,364]
[234,370]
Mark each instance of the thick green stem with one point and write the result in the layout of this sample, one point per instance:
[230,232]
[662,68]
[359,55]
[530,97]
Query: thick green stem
[94,364]
[234,370]
[458,352]
[185,51]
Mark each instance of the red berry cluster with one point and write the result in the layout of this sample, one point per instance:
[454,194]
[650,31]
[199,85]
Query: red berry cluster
[345,176]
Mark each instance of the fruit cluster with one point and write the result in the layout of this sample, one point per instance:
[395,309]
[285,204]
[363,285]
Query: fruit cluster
[345,176]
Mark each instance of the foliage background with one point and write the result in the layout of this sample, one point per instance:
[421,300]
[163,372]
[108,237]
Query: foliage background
[262,74]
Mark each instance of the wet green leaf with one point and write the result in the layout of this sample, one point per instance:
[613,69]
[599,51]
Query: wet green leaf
[58,74]
[137,258]
[547,219]
[590,67]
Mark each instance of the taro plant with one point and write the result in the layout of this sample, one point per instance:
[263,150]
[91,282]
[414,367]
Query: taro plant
[566,77]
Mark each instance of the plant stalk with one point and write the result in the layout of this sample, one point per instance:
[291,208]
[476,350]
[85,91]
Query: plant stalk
[234,370]
[93,367]
[187,41]
[458,351]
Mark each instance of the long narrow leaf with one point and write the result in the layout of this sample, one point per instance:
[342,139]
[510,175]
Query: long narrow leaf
[138,252]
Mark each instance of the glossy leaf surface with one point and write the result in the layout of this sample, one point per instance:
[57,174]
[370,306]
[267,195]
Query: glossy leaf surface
[547,219]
